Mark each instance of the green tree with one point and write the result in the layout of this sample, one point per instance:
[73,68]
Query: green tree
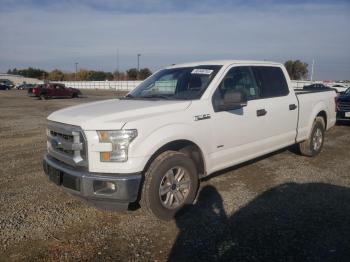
[68,76]
[297,69]
[56,75]
[100,76]
[144,73]
[117,75]
[12,72]
[132,74]
[29,72]
[82,75]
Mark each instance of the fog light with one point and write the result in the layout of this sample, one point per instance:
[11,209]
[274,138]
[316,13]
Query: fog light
[104,187]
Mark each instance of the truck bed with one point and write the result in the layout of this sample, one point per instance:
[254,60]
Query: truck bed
[302,91]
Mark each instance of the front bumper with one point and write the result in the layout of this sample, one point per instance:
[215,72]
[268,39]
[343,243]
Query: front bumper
[87,185]
[341,115]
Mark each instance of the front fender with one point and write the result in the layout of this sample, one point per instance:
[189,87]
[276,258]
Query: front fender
[146,146]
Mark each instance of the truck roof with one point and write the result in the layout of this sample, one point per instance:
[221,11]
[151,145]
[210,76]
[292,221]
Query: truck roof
[225,62]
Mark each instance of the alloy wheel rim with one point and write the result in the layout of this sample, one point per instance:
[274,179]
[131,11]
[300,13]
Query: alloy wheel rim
[317,139]
[174,187]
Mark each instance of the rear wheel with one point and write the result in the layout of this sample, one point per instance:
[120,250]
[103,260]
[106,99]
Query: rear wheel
[314,144]
[170,183]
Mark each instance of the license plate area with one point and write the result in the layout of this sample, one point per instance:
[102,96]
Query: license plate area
[347,114]
[55,175]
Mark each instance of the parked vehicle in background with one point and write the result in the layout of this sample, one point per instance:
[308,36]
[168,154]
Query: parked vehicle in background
[4,87]
[318,86]
[181,124]
[25,86]
[53,90]
[7,82]
[340,87]
[343,105]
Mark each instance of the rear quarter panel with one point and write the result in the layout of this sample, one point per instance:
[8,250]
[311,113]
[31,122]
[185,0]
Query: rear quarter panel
[310,105]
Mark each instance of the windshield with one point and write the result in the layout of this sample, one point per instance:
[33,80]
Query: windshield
[186,83]
[347,91]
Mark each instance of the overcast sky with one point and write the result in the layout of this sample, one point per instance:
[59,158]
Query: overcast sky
[56,34]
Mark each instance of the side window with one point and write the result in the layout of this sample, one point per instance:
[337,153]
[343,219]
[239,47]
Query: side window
[271,81]
[240,79]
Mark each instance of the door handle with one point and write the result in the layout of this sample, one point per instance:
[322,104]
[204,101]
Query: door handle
[292,106]
[261,112]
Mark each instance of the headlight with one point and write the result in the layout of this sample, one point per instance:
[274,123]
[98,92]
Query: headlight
[120,140]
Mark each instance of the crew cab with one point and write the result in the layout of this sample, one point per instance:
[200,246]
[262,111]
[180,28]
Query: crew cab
[53,90]
[183,123]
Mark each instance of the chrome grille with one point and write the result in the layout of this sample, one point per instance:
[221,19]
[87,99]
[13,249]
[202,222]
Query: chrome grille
[344,106]
[66,143]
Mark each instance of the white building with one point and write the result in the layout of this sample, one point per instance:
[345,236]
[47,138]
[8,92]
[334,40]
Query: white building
[16,79]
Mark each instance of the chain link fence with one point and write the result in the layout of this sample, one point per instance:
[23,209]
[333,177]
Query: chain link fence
[115,85]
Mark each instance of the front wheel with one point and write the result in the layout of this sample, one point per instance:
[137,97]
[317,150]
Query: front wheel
[314,144]
[171,182]
[42,97]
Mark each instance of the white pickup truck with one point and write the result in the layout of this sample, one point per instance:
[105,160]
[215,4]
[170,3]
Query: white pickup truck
[181,124]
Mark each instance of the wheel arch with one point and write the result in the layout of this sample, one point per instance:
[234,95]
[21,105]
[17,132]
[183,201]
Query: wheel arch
[323,114]
[185,146]
[319,111]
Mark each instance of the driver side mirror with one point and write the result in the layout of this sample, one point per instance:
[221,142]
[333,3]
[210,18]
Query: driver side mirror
[233,99]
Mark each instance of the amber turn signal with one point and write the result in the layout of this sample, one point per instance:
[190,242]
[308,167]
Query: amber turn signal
[105,156]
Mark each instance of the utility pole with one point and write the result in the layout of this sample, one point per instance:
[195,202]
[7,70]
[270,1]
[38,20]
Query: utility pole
[76,70]
[312,70]
[138,66]
[117,64]
[138,62]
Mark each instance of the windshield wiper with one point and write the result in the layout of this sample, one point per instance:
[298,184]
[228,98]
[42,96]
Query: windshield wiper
[128,96]
[155,96]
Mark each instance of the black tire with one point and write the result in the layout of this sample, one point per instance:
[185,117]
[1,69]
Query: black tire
[151,199]
[42,97]
[309,146]
[74,95]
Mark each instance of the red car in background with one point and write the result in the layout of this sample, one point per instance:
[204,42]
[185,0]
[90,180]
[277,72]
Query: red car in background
[46,91]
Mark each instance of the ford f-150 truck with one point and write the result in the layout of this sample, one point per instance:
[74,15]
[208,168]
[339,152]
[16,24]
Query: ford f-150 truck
[181,124]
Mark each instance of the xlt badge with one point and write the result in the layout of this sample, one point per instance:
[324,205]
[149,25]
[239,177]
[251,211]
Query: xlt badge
[202,117]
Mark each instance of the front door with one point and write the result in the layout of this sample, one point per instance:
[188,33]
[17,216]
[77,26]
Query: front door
[255,129]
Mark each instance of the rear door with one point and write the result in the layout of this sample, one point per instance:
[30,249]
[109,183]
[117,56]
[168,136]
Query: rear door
[279,105]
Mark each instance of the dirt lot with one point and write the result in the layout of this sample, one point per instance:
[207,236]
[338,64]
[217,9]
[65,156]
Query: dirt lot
[283,207]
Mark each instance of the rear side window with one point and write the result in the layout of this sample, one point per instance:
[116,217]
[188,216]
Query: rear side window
[271,81]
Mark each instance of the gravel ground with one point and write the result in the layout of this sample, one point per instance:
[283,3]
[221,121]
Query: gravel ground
[282,207]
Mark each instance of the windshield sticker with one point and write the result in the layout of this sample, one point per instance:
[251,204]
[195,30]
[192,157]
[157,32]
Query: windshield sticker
[202,71]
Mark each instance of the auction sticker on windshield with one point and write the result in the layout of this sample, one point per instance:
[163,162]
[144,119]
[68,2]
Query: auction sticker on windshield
[202,71]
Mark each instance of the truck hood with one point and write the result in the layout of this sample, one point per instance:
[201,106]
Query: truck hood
[114,113]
